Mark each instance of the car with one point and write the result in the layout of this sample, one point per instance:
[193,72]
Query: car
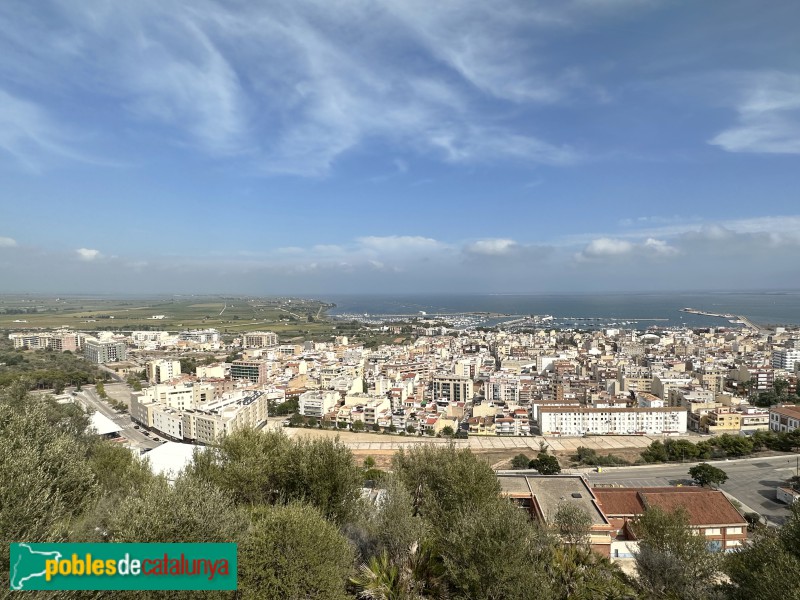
[155,439]
[147,433]
[136,427]
[286,423]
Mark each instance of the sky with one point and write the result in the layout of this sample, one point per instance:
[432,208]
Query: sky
[353,146]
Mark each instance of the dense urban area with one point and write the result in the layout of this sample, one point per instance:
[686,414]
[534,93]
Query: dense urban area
[395,455]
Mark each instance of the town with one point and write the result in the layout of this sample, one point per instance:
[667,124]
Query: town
[454,383]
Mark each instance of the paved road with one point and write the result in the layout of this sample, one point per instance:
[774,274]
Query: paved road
[752,481]
[88,397]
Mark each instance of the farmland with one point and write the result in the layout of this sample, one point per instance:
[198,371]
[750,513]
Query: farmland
[290,318]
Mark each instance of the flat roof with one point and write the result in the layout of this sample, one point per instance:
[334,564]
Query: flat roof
[551,490]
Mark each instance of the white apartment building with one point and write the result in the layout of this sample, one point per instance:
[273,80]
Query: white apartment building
[200,336]
[160,371]
[785,359]
[502,388]
[208,422]
[577,421]
[316,403]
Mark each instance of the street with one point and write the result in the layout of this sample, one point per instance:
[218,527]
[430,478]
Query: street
[88,397]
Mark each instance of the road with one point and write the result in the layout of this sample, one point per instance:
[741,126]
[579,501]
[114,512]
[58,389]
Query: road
[88,397]
[752,481]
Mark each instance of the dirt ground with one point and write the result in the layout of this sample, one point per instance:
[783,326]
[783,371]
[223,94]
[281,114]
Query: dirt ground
[497,451]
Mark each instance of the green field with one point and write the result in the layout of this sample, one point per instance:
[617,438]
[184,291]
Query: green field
[290,318]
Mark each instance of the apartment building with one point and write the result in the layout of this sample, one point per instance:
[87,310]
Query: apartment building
[736,420]
[101,352]
[256,371]
[784,418]
[160,371]
[502,388]
[60,341]
[576,421]
[786,359]
[451,387]
[316,404]
[200,336]
[259,339]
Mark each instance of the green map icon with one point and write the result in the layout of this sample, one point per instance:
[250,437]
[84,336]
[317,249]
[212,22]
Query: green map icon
[27,564]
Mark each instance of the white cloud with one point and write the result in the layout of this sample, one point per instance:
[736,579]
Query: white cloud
[604,247]
[396,244]
[768,116]
[659,247]
[88,254]
[492,247]
[7,242]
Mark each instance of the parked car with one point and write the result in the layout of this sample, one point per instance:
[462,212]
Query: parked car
[136,427]
[155,439]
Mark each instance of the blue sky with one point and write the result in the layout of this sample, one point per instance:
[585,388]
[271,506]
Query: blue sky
[399,146]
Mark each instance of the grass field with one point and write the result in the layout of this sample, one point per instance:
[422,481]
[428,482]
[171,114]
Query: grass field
[290,318]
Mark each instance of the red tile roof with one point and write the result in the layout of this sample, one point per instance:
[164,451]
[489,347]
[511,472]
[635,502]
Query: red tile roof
[704,507]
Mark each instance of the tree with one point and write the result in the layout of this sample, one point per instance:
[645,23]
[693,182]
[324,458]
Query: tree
[546,464]
[495,552]
[445,481]
[780,386]
[447,431]
[410,429]
[293,552]
[45,481]
[358,425]
[655,452]
[572,523]
[756,571]
[671,561]
[257,467]
[520,461]
[706,474]
[191,510]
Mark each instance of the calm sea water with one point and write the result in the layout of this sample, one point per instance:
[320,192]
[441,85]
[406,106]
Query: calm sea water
[765,308]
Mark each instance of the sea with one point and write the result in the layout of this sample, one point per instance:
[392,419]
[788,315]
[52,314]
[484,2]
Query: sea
[587,311]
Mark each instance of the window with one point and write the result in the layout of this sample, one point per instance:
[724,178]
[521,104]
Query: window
[712,531]
[733,530]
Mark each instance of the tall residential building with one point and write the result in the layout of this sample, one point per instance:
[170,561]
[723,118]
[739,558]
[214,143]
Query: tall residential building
[786,359]
[159,371]
[254,370]
[456,388]
[103,352]
[259,339]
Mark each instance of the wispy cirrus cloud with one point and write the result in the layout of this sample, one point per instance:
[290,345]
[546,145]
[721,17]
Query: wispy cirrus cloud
[281,85]
[768,115]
